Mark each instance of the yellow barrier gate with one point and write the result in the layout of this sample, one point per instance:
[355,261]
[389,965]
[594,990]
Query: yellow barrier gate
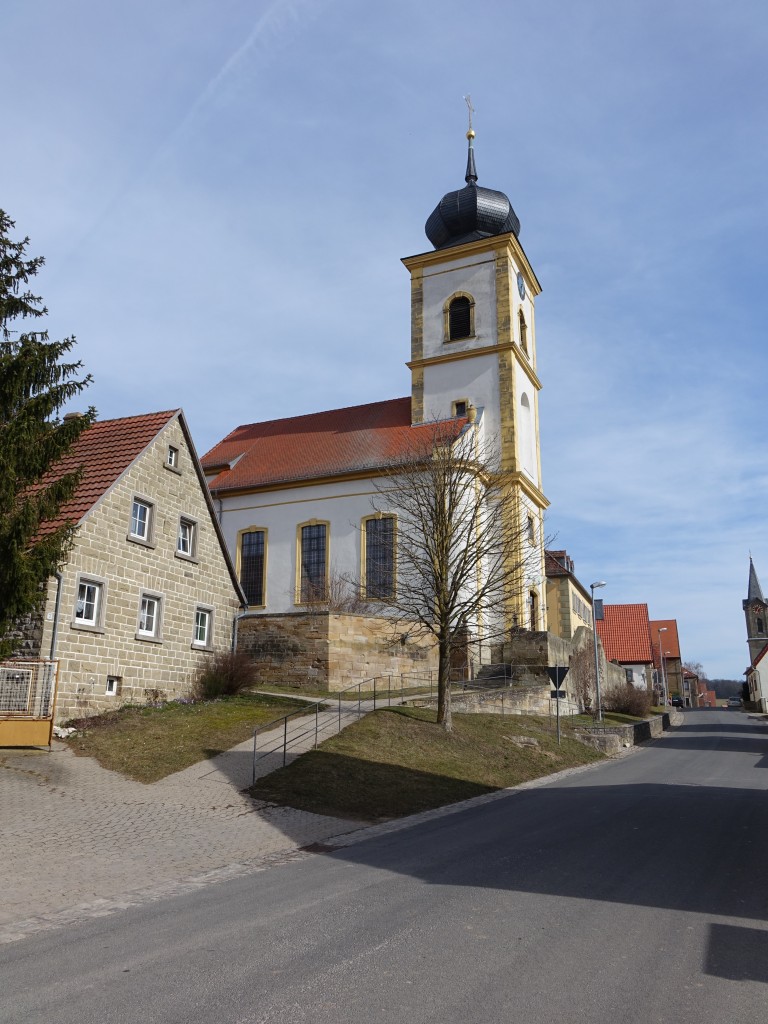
[27,702]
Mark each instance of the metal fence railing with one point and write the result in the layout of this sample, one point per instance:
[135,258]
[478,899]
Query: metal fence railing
[301,729]
[27,689]
[27,702]
[293,732]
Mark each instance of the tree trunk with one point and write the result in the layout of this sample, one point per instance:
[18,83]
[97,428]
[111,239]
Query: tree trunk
[444,689]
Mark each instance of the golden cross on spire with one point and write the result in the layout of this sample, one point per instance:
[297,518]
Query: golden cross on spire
[470,112]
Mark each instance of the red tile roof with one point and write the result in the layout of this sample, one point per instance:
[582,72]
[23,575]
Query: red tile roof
[557,563]
[359,439]
[625,633]
[670,642]
[105,450]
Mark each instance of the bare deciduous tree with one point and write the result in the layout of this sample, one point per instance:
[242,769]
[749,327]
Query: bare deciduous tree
[582,670]
[466,550]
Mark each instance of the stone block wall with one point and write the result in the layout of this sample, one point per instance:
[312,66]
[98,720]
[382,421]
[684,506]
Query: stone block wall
[311,650]
[27,635]
[142,667]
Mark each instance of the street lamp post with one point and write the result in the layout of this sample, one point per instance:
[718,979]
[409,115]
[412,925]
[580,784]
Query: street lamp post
[593,587]
[662,629]
[667,654]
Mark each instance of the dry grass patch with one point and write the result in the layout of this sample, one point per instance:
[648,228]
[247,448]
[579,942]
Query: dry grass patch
[148,743]
[399,761]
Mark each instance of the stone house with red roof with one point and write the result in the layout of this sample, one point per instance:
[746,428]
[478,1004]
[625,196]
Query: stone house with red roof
[149,588]
[665,644]
[625,633]
[295,496]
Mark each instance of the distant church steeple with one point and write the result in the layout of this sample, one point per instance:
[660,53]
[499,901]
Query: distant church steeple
[756,613]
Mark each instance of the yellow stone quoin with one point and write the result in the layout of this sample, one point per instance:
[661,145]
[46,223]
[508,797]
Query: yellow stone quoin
[500,347]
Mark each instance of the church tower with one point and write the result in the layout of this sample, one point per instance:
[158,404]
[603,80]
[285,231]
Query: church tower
[473,344]
[756,613]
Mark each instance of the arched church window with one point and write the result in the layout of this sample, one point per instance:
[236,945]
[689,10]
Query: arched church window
[533,609]
[760,626]
[460,318]
[523,331]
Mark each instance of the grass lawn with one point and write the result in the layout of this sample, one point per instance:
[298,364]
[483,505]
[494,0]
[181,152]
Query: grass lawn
[609,718]
[148,743]
[398,761]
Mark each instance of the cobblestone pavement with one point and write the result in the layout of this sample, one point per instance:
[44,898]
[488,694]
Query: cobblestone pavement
[78,840]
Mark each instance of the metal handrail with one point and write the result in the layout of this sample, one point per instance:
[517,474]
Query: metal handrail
[302,712]
[365,685]
[375,687]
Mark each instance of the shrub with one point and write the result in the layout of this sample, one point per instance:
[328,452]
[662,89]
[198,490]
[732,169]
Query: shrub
[223,674]
[628,700]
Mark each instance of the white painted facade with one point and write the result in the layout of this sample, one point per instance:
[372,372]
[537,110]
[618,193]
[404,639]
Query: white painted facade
[342,505]
[639,677]
[757,680]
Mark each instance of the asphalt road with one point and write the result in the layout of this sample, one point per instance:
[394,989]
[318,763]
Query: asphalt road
[635,891]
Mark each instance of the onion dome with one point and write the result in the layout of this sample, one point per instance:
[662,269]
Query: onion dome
[471,212]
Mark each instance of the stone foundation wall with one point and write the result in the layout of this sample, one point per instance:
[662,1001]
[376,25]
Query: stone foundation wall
[311,650]
[27,635]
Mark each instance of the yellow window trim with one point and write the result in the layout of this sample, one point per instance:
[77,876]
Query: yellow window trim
[297,579]
[447,317]
[363,557]
[238,559]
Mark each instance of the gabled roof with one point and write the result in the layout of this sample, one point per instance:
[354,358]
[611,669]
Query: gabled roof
[104,451]
[357,440]
[108,448]
[557,563]
[625,633]
[670,641]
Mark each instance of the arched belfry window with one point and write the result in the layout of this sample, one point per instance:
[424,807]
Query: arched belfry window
[523,332]
[459,316]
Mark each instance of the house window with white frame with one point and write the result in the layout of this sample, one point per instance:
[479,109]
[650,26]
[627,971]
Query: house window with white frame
[150,617]
[186,539]
[172,458]
[142,512]
[88,605]
[203,627]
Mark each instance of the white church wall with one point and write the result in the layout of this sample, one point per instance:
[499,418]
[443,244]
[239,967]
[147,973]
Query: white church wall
[474,275]
[476,380]
[342,505]
[527,414]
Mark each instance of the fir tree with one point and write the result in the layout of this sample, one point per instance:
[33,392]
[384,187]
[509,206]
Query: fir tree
[34,385]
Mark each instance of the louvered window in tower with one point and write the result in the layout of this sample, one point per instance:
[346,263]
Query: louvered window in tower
[460,318]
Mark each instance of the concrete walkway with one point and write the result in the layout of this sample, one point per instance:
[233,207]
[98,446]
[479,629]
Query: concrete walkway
[78,840]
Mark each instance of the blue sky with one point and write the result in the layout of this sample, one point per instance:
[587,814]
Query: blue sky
[223,192]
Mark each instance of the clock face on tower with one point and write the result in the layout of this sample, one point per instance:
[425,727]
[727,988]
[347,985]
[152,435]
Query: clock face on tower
[520,285]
